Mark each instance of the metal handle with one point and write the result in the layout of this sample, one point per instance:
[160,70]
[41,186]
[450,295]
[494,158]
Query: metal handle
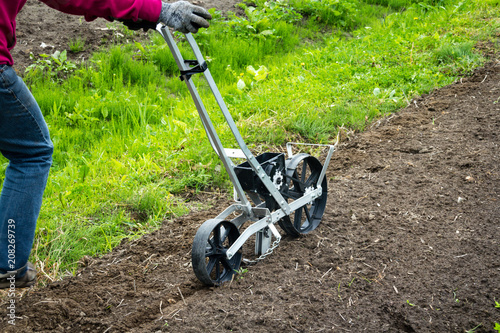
[208,125]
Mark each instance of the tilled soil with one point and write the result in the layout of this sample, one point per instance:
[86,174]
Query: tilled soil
[409,242]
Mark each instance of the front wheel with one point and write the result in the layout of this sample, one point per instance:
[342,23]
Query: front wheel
[208,256]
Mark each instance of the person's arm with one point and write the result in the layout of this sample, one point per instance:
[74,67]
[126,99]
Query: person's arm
[148,10]
[181,15]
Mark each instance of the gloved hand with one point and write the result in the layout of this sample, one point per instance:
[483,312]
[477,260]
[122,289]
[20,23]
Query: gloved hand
[184,17]
[181,15]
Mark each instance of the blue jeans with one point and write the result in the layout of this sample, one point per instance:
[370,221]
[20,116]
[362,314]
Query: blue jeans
[25,142]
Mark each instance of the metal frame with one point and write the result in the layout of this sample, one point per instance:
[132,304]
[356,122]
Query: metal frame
[263,219]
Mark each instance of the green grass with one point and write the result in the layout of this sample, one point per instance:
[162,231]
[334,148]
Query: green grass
[76,45]
[128,138]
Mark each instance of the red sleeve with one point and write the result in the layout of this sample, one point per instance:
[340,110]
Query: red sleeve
[148,10]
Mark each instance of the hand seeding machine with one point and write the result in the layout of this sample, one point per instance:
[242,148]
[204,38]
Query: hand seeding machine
[269,188]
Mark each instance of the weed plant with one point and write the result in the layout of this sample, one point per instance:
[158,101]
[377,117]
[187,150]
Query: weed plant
[76,45]
[128,138]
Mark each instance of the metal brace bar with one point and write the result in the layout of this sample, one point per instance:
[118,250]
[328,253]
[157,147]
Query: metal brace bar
[331,149]
[270,220]
[234,153]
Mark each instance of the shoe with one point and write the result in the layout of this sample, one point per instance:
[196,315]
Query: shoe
[27,280]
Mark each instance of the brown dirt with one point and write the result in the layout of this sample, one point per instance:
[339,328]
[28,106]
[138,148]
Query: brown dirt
[409,243]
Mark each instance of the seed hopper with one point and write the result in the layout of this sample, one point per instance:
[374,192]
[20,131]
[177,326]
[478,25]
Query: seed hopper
[270,188]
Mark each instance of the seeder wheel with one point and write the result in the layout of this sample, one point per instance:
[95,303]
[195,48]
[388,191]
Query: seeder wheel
[208,255]
[302,175]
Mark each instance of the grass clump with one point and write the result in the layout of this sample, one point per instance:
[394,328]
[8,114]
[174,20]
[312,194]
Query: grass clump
[460,57]
[401,4]
[76,45]
[338,13]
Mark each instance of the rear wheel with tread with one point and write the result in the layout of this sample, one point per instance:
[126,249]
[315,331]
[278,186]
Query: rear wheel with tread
[302,175]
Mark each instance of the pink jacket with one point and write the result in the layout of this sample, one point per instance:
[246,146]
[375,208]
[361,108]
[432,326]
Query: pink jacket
[148,10]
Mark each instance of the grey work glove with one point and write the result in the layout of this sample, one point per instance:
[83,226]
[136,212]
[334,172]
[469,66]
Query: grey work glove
[184,17]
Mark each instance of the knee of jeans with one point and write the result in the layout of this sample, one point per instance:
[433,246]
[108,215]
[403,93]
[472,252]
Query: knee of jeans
[39,154]
[48,152]
[43,154]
